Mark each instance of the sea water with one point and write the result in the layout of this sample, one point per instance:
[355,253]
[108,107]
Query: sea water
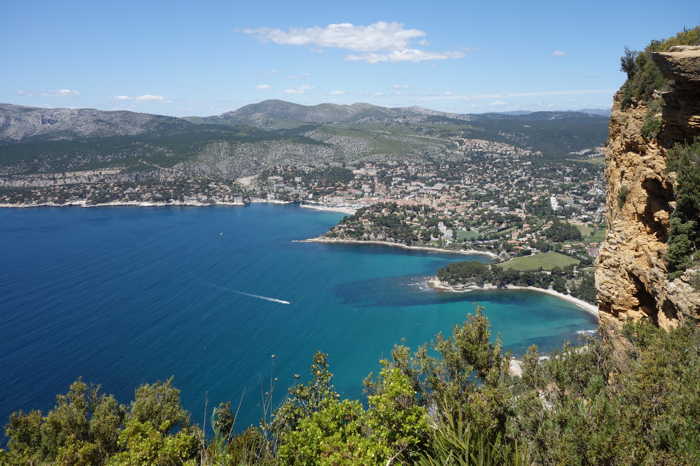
[223,300]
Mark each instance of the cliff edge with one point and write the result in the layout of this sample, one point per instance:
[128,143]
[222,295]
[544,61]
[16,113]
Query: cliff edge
[633,274]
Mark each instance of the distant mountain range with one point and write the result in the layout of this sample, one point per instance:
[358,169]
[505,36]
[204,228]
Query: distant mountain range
[246,140]
[18,123]
[278,113]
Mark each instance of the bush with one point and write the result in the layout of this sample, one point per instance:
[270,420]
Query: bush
[684,235]
[622,195]
[87,427]
[643,76]
[562,231]
[628,62]
[651,126]
[450,402]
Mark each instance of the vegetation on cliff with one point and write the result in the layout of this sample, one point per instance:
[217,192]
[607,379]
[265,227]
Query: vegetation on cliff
[643,75]
[684,237]
[647,266]
[453,401]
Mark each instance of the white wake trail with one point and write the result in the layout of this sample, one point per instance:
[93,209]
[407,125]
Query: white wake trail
[266,298]
[251,295]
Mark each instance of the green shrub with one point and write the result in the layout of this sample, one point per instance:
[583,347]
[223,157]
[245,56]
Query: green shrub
[628,62]
[87,427]
[643,76]
[684,235]
[651,126]
[451,403]
[622,195]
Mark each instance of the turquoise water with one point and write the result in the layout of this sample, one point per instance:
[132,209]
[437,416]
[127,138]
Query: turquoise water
[123,296]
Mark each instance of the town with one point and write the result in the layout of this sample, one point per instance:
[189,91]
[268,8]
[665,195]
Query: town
[485,196]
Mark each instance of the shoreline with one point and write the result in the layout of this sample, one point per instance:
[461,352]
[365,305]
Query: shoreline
[435,283]
[258,200]
[465,252]
[84,204]
[340,209]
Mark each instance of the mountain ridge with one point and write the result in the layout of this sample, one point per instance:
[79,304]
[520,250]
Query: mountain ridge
[19,123]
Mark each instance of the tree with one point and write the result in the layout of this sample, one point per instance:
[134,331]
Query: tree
[628,62]
[87,427]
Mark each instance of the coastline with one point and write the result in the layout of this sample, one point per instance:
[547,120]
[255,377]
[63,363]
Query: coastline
[342,210]
[258,200]
[84,203]
[434,282]
[466,252]
[122,204]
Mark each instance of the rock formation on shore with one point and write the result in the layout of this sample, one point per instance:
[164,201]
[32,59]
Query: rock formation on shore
[632,273]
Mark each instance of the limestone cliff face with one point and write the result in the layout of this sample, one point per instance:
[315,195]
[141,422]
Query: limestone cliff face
[631,274]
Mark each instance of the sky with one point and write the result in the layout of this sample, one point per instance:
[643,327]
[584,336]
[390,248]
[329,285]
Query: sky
[208,57]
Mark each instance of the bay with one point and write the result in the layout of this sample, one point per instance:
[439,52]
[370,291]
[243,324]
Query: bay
[121,296]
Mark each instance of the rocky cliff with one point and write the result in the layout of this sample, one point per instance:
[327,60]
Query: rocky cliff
[632,272]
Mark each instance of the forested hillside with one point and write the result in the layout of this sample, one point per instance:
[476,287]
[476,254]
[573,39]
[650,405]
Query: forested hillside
[34,140]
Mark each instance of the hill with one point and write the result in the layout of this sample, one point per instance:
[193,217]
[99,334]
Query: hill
[21,124]
[257,136]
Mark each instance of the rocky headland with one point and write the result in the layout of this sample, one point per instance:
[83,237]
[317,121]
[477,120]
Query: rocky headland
[632,273]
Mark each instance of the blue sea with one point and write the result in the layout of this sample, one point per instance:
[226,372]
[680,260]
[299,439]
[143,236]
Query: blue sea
[121,296]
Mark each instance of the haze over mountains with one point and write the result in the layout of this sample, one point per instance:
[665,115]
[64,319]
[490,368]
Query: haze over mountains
[18,123]
[246,140]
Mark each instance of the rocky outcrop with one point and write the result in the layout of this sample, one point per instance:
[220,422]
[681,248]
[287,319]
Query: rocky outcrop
[681,113]
[631,274]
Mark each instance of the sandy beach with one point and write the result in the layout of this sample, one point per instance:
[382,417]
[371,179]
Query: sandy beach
[341,209]
[581,304]
[268,201]
[468,252]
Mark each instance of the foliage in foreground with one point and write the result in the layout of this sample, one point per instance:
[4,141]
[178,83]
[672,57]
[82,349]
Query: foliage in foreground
[450,402]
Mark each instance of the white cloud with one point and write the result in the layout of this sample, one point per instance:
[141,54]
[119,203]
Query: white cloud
[263,86]
[298,90]
[498,103]
[405,55]
[558,53]
[52,93]
[377,36]
[64,92]
[145,97]
[400,86]
[150,97]
[337,92]
[380,42]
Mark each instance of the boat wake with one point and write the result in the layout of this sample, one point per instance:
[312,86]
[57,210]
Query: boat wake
[250,295]
[266,298]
